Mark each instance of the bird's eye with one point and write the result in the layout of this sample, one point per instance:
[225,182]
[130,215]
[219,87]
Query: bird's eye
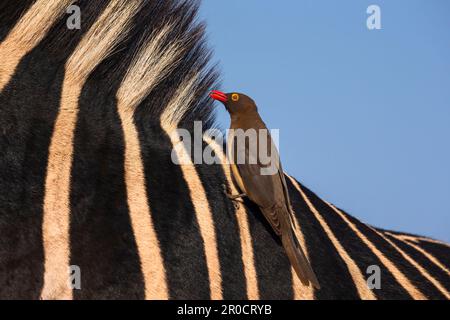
[235,97]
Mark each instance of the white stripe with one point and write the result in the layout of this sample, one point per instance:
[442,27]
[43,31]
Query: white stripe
[425,253]
[204,218]
[244,228]
[27,33]
[152,63]
[359,280]
[398,275]
[301,292]
[422,270]
[93,48]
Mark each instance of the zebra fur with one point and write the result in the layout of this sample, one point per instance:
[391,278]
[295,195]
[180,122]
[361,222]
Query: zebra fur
[86,123]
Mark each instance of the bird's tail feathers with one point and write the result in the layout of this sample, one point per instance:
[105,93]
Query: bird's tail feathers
[298,259]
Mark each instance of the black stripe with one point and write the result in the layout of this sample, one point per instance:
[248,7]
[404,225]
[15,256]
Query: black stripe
[102,241]
[170,203]
[28,107]
[10,12]
[102,191]
[401,263]
[174,218]
[271,263]
[411,272]
[361,254]
[110,266]
[227,232]
[398,233]
[331,270]
[101,237]
[439,251]
[26,129]
[423,261]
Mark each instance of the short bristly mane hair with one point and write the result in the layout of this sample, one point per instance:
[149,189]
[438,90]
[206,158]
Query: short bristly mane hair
[157,49]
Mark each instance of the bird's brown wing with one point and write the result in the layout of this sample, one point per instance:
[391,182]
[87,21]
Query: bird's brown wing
[270,193]
[264,190]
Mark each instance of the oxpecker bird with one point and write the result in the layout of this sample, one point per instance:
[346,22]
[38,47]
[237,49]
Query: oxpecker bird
[257,171]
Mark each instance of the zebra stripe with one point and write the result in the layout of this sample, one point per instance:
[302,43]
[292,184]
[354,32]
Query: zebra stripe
[425,253]
[401,278]
[204,219]
[141,218]
[196,190]
[152,64]
[109,29]
[245,237]
[136,85]
[418,239]
[144,227]
[361,284]
[301,292]
[27,33]
[434,270]
[416,265]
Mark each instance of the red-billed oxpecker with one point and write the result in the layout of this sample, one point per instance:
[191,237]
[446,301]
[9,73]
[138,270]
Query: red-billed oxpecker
[258,173]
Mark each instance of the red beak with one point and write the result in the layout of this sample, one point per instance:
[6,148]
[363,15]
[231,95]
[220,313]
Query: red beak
[218,95]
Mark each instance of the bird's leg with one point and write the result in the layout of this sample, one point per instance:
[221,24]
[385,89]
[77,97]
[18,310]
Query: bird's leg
[236,198]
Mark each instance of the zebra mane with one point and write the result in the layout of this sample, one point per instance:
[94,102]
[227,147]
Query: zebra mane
[155,47]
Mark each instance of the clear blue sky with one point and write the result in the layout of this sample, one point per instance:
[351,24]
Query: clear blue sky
[364,116]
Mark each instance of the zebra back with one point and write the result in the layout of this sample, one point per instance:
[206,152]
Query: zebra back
[87,121]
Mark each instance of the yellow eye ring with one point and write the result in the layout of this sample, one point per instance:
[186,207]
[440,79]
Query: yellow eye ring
[235,97]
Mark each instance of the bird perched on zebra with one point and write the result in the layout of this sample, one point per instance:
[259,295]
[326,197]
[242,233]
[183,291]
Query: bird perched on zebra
[267,189]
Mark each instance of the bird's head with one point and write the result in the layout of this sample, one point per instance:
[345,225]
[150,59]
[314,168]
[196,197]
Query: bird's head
[235,103]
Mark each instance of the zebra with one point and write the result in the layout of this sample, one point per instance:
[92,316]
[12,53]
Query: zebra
[86,137]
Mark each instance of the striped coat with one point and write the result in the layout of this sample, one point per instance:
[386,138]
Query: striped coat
[86,138]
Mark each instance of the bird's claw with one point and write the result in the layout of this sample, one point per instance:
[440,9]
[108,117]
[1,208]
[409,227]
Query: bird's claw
[236,199]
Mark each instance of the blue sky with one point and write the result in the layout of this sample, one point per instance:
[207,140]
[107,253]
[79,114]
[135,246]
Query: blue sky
[364,116]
